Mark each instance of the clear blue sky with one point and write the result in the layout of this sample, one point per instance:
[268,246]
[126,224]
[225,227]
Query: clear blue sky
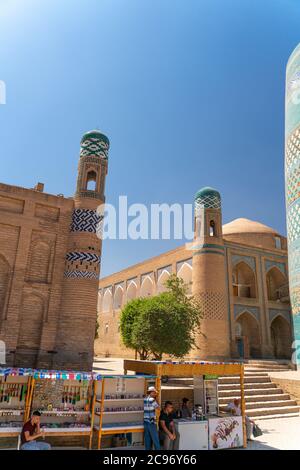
[189,92]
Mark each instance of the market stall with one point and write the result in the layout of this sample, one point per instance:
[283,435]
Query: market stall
[118,409]
[15,396]
[63,398]
[217,430]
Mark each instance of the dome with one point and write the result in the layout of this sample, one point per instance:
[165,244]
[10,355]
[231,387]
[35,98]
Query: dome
[240,226]
[94,144]
[209,198]
[95,134]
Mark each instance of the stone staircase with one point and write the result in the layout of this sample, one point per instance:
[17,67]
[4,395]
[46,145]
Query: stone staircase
[264,400]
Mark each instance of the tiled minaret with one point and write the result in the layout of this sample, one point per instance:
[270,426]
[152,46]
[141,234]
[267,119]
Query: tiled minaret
[292,188]
[75,338]
[209,276]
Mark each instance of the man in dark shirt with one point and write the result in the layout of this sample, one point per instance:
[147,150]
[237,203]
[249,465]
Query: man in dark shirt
[167,432]
[31,432]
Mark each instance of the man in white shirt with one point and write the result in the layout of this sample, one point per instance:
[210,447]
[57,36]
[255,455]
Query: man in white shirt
[234,408]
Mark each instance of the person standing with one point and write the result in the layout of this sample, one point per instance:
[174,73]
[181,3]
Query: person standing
[31,432]
[150,428]
[167,432]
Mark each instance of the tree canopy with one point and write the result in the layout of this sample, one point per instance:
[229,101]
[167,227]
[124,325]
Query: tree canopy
[162,324]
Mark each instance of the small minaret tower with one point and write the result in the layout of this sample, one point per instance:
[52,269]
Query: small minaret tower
[76,329]
[209,276]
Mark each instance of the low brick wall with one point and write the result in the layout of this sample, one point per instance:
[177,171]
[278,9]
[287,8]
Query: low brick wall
[289,382]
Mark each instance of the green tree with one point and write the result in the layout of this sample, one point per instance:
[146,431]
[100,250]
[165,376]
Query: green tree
[162,324]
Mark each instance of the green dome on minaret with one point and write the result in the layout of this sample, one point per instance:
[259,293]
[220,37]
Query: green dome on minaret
[94,144]
[208,197]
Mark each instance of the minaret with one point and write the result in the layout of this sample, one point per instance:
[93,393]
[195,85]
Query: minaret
[292,192]
[209,276]
[76,329]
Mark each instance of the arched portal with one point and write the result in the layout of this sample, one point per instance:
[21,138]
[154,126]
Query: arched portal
[248,327]
[281,338]
[244,284]
[276,280]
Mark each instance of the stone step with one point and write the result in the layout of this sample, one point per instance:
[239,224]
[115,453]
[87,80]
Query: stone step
[266,361]
[247,379]
[256,398]
[272,410]
[266,366]
[265,405]
[254,392]
[272,404]
[247,386]
[277,416]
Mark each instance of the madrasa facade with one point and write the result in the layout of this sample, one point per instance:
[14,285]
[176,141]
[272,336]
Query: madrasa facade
[49,267]
[239,272]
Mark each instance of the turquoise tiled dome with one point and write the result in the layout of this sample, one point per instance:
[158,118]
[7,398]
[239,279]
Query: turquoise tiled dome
[94,144]
[95,134]
[209,198]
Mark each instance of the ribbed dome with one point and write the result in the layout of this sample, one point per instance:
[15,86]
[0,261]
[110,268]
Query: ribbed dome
[246,226]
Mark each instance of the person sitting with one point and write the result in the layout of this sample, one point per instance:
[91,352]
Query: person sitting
[31,432]
[167,432]
[234,408]
[185,411]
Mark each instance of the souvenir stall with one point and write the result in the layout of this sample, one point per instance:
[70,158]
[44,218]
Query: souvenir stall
[118,409]
[63,398]
[15,396]
[209,428]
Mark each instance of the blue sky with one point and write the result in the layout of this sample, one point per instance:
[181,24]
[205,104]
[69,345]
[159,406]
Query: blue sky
[189,92]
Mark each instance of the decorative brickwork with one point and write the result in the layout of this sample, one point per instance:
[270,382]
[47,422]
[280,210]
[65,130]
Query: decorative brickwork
[214,305]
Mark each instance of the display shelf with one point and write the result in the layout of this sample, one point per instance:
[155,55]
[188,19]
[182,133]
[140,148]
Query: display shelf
[64,413]
[15,395]
[69,403]
[110,422]
[122,399]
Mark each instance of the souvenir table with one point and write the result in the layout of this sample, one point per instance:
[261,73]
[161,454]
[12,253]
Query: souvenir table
[63,399]
[223,431]
[15,392]
[118,408]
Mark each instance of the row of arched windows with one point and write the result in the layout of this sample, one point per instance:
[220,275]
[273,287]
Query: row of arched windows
[245,285]
[120,297]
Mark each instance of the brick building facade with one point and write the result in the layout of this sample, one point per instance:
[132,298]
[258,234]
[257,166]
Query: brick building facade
[238,270]
[49,266]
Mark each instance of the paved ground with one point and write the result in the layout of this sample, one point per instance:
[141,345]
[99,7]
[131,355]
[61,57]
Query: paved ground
[280,434]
